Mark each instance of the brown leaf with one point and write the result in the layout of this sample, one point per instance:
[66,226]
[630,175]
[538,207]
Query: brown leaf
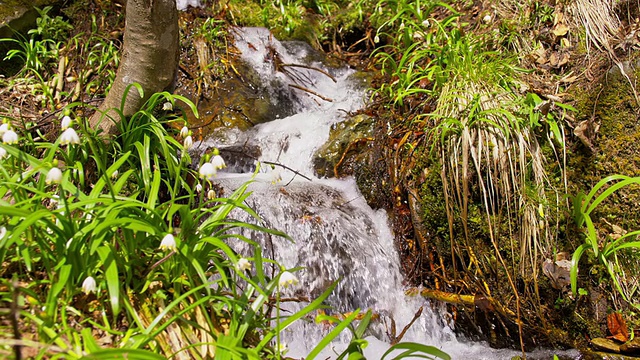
[617,327]
[560,29]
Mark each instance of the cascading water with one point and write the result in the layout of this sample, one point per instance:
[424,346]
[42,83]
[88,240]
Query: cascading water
[337,236]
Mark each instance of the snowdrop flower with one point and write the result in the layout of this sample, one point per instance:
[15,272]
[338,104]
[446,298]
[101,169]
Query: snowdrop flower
[69,136]
[168,242]
[115,174]
[188,142]
[168,106]
[66,122]
[218,162]
[211,194]
[243,264]
[54,200]
[10,137]
[287,279]
[199,187]
[89,285]
[4,128]
[184,132]
[3,232]
[487,18]
[3,153]
[275,175]
[208,171]
[54,176]
[376,39]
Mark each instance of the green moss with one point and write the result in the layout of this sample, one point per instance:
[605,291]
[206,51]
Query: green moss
[612,105]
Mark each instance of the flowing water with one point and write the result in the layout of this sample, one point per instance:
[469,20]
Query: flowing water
[337,236]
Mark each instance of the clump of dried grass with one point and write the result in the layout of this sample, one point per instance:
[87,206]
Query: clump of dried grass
[599,21]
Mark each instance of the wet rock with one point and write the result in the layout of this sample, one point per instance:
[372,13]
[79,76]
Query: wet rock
[631,347]
[339,154]
[605,345]
[239,102]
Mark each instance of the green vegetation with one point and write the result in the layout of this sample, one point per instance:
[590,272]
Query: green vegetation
[123,240]
[477,108]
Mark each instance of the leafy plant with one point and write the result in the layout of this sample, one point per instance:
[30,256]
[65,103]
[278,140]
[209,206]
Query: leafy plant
[604,250]
[357,344]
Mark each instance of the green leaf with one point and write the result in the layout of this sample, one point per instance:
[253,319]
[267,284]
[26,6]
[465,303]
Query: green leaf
[111,276]
[129,354]
[416,350]
[575,260]
[332,334]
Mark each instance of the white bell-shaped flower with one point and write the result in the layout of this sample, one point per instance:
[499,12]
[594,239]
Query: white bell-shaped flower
[287,279]
[168,242]
[69,136]
[187,142]
[243,264]
[10,137]
[218,162]
[208,171]
[66,122]
[89,285]
[54,176]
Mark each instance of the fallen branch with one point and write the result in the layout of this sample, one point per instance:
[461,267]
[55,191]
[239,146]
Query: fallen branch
[311,68]
[480,301]
[311,92]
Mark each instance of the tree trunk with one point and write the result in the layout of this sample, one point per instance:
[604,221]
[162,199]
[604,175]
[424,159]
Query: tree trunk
[150,57]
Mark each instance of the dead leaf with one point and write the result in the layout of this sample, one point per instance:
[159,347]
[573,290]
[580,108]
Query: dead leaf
[560,30]
[617,327]
[557,59]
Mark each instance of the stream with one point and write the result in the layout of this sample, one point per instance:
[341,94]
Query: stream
[337,236]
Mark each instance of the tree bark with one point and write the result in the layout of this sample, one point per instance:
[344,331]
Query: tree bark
[150,58]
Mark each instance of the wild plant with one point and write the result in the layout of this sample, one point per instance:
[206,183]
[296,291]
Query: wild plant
[604,248]
[89,225]
[114,240]
[357,344]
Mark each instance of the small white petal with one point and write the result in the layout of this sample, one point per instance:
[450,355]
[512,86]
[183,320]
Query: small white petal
[168,242]
[4,128]
[115,174]
[184,132]
[243,264]
[3,232]
[199,187]
[287,279]
[66,122]
[208,171]
[10,137]
[218,162]
[275,175]
[89,285]
[188,142]
[69,136]
[168,106]
[54,176]
[3,153]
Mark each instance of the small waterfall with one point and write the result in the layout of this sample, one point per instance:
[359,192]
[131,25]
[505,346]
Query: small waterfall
[337,235]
